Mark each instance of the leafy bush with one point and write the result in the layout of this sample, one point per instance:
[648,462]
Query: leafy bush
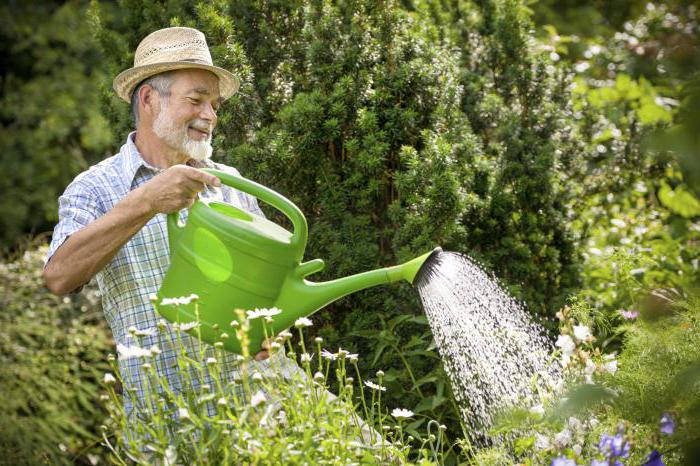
[52,354]
[51,126]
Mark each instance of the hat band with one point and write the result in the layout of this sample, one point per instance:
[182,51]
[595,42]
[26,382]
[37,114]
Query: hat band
[196,60]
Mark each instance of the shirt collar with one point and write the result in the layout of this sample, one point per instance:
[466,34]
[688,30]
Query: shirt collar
[132,160]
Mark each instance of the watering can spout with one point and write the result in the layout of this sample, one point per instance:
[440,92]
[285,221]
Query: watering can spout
[409,270]
[303,297]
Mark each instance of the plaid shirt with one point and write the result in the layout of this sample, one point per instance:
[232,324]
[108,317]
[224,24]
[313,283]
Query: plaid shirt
[137,270]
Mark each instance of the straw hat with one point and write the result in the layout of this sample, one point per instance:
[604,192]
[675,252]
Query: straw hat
[172,49]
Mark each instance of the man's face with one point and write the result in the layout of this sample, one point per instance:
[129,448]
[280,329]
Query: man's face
[187,116]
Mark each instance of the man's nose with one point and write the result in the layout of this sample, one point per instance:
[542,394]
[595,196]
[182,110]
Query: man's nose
[208,113]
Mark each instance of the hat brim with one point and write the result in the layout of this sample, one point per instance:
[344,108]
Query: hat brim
[127,80]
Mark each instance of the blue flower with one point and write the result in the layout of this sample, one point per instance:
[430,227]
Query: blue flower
[599,463]
[614,446]
[667,424]
[655,459]
[563,461]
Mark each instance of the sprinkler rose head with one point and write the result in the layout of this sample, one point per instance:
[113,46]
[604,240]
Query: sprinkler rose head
[415,267]
[409,271]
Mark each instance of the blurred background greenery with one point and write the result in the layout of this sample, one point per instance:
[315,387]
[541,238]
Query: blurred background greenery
[544,139]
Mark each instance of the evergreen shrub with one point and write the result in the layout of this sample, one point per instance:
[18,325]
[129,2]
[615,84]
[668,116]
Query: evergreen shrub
[51,124]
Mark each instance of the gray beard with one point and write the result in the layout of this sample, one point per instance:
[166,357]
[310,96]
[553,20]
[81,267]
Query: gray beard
[177,138]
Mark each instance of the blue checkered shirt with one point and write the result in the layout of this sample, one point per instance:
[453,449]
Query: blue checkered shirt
[137,270]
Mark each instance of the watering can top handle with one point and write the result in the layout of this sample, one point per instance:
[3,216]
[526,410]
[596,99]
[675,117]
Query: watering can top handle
[276,200]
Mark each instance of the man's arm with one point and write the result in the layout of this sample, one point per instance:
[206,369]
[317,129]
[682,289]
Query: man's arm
[90,249]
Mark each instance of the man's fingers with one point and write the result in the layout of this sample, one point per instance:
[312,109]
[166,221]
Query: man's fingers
[202,177]
[195,186]
[265,353]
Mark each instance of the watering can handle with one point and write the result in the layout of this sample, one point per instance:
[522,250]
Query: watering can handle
[276,200]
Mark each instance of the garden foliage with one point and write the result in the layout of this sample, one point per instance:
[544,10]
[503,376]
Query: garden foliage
[641,398]
[285,416]
[565,160]
[51,125]
[393,142]
[52,359]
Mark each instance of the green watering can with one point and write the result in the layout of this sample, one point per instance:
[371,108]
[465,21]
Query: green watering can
[232,260]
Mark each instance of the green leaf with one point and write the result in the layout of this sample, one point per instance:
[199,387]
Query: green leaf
[583,398]
[651,113]
[679,200]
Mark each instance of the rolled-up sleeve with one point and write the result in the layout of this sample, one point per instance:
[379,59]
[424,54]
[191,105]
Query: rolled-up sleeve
[77,208]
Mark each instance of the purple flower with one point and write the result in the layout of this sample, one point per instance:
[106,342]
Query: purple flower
[614,446]
[605,463]
[655,459]
[629,314]
[667,424]
[563,461]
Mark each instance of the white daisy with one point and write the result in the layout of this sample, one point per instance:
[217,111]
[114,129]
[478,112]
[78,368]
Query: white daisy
[303,322]
[188,326]
[145,332]
[257,313]
[170,457]
[567,345]
[618,223]
[128,352]
[258,397]
[582,332]
[182,413]
[611,365]
[400,413]
[374,386]
[182,301]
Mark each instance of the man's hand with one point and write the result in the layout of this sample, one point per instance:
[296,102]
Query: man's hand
[265,353]
[176,188]
[88,250]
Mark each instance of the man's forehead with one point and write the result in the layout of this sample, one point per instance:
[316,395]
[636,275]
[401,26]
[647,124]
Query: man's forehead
[197,81]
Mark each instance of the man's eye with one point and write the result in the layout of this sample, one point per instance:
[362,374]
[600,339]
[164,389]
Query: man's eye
[194,101]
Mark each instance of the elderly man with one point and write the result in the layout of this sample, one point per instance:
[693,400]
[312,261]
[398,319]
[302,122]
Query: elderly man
[113,216]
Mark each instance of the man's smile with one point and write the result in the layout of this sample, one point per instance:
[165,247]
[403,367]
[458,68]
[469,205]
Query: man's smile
[199,133]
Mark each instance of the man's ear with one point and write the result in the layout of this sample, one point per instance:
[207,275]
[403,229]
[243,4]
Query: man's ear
[148,101]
